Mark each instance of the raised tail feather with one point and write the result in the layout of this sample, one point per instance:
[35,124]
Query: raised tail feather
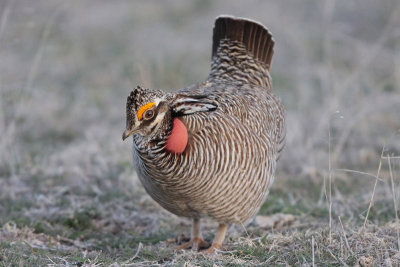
[242,51]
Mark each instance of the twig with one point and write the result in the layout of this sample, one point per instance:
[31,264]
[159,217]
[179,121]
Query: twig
[305,261]
[342,262]
[128,263]
[345,237]
[245,230]
[330,184]
[373,191]
[4,18]
[313,255]
[389,157]
[137,251]
[331,253]
[359,172]
[40,51]
[394,203]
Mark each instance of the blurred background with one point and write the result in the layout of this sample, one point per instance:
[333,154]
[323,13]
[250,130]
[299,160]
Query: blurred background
[66,68]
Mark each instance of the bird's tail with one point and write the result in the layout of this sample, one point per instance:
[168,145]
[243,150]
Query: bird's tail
[242,51]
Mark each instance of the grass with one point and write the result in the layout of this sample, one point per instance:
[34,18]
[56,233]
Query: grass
[98,234]
[69,195]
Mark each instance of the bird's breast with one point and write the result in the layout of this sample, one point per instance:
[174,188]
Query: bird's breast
[178,138]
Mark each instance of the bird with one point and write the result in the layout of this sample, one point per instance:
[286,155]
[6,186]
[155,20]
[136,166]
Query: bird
[210,150]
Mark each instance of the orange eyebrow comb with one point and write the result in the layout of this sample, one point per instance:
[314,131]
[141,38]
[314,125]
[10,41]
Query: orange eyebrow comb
[143,108]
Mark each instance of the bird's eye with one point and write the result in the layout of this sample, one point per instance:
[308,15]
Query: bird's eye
[148,114]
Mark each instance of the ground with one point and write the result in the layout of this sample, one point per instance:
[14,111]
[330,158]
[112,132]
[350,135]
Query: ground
[69,195]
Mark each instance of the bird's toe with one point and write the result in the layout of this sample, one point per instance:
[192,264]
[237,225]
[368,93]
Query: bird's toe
[199,243]
[214,247]
[196,244]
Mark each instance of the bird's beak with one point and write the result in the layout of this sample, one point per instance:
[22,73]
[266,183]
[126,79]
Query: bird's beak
[126,134]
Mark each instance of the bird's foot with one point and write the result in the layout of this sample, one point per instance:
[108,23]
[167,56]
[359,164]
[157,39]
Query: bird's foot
[196,244]
[213,248]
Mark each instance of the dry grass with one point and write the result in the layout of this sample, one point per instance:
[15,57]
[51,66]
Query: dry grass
[68,193]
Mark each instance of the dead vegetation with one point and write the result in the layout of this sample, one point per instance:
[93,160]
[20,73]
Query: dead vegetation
[68,193]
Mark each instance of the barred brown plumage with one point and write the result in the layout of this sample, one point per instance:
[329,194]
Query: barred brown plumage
[235,133]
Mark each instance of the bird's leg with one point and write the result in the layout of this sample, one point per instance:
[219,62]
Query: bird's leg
[219,238]
[196,241]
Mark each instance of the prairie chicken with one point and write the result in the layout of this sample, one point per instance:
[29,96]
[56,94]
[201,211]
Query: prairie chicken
[210,150]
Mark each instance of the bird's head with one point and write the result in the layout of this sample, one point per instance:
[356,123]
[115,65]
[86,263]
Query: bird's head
[147,111]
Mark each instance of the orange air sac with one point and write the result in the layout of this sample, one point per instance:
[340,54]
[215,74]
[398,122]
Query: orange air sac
[178,138]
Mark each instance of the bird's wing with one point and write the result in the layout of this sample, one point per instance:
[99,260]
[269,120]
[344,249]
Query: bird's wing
[259,111]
